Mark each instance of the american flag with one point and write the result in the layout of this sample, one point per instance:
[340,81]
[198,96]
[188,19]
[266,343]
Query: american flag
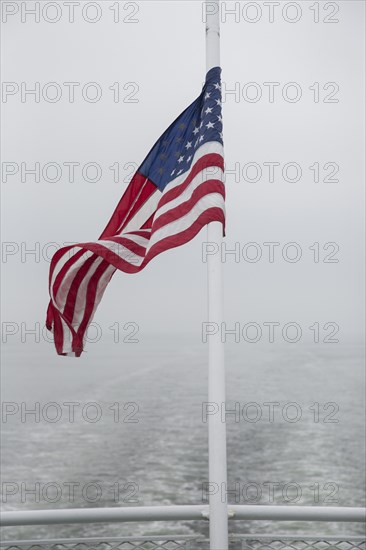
[175,192]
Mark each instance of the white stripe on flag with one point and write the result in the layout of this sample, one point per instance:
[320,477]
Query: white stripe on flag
[187,193]
[82,291]
[145,212]
[208,201]
[138,239]
[122,252]
[64,287]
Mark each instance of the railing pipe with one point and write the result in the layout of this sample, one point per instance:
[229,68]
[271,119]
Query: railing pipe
[297,513]
[186,512]
[104,515]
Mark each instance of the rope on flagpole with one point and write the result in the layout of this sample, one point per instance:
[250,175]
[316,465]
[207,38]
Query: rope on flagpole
[218,514]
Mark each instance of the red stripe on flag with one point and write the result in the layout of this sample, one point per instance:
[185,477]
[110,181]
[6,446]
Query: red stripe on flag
[65,268]
[139,187]
[90,303]
[69,309]
[130,245]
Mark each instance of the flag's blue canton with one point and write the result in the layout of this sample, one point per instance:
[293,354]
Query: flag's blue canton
[173,153]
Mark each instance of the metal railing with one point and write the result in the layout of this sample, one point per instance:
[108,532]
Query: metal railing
[173,542]
[285,542]
[184,542]
[189,512]
[185,512]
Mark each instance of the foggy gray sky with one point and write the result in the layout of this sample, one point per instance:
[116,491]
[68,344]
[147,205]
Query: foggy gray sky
[164,55]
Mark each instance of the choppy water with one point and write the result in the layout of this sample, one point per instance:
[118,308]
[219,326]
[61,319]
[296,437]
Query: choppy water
[162,458]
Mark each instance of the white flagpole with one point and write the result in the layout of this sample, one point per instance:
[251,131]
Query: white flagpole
[216,371]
